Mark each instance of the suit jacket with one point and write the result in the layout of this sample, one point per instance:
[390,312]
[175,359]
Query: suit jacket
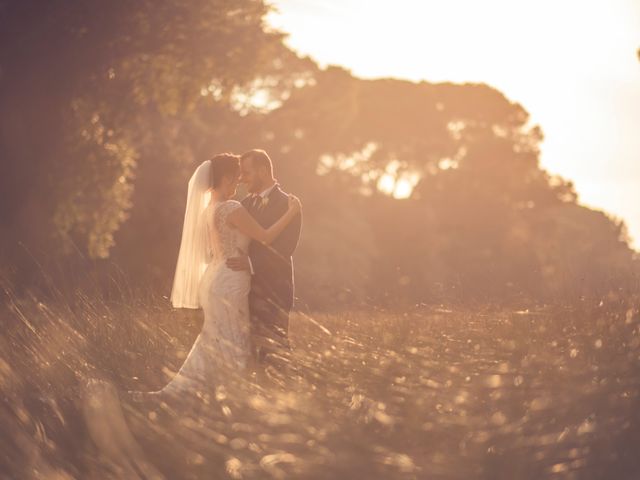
[273,278]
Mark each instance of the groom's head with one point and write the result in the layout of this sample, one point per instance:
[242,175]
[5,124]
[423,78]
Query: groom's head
[256,170]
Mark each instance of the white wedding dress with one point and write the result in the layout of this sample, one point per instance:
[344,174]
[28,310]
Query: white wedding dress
[221,347]
[224,296]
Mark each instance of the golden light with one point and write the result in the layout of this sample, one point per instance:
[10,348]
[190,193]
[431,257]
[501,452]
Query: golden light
[399,187]
[583,89]
[386,184]
[403,189]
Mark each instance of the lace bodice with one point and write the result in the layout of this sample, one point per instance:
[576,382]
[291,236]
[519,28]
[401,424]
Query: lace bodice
[223,240]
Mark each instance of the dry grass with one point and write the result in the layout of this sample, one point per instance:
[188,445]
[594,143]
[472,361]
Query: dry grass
[430,393]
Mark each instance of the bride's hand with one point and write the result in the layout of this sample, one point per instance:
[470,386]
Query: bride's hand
[294,203]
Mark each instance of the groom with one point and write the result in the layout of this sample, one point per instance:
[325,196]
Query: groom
[271,295]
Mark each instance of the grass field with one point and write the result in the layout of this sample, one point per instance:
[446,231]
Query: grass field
[433,392]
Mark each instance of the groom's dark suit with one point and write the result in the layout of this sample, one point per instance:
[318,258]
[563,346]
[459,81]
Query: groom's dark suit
[272,284]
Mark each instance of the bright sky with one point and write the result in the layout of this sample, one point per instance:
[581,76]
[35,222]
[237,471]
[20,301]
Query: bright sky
[571,63]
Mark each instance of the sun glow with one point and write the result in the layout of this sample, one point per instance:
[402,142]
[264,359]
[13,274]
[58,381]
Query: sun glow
[403,189]
[387,184]
[398,187]
[583,89]
[391,181]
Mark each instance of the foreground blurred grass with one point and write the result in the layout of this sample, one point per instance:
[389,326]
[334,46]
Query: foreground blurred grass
[427,393]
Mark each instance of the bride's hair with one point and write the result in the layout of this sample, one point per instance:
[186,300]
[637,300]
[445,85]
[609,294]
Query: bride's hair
[222,165]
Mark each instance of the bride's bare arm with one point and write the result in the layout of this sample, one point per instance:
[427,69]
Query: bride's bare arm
[245,223]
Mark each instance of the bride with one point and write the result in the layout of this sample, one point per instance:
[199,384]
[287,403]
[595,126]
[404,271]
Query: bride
[215,228]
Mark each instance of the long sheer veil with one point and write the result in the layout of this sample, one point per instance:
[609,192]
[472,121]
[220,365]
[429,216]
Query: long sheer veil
[193,256]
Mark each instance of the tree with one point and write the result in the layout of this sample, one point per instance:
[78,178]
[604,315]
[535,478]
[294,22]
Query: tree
[86,89]
[412,191]
[467,159]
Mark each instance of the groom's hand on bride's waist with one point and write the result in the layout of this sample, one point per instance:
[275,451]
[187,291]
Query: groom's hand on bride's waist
[239,264]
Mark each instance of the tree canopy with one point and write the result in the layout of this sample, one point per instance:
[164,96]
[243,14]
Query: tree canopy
[413,192]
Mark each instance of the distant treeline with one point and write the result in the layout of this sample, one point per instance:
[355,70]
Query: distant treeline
[107,107]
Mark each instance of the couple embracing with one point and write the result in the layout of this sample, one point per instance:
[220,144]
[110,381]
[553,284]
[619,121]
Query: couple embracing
[235,263]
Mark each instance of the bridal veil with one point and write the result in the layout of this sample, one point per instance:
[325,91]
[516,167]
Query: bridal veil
[193,256]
